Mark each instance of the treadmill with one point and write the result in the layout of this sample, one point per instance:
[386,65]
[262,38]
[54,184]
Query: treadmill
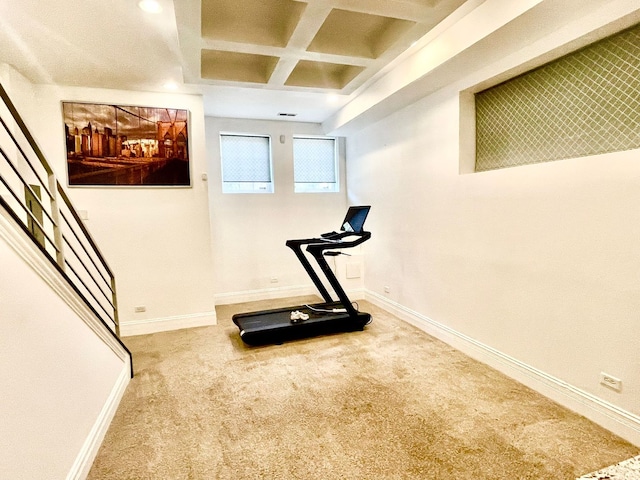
[332,316]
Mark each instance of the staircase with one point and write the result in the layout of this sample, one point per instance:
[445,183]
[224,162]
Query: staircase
[34,201]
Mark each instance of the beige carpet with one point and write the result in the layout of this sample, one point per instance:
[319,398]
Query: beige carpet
[386,403]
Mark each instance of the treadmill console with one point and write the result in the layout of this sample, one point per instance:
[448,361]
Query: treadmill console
[355,218]
[353,222]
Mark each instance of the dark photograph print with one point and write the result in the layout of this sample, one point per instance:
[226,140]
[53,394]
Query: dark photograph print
[116,145]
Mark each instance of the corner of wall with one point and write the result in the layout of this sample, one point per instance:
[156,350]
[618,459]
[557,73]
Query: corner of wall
[467,133]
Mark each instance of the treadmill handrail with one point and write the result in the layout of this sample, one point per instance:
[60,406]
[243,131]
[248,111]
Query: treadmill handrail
[316,247]
[296,246]
[337,242]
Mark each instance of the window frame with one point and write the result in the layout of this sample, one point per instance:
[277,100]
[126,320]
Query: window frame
[318,187]
[578,105]
[248,186]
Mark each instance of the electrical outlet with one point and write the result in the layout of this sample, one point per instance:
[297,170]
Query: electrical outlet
[611,382]
[140,309]
[387,289]
[274,279]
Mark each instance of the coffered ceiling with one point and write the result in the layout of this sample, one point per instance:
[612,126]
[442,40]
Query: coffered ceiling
[247,58]
[324,61]
[333,45]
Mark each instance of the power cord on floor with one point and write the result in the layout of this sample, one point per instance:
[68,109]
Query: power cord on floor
[322,310]
[337,310]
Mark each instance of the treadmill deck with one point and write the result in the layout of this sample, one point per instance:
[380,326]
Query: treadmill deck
[275,326]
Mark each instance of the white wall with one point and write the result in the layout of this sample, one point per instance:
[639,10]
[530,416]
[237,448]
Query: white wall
[62,376]
[249,231]
[156,240]
[18,88]
[532,268]
[62,373]
[21,93]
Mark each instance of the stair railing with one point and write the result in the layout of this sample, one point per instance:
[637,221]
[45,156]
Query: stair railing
[35,199]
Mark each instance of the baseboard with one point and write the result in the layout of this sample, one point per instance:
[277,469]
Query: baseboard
[615,419]
[275,293]
[230,298]
[154,325]
[87,454]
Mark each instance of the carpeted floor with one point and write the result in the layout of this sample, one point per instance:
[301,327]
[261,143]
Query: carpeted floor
[386,403]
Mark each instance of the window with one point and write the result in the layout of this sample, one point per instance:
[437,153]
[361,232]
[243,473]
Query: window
[315,164]
[585,103]
[246,163]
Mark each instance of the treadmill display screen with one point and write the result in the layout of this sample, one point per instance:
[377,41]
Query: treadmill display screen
[354,220]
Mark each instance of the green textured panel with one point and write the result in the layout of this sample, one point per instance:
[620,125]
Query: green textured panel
[585,103]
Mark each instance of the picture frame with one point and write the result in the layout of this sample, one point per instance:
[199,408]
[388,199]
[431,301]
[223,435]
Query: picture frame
[126,146]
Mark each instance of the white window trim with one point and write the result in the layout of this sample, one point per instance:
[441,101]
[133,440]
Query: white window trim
[320,187]
[247,187]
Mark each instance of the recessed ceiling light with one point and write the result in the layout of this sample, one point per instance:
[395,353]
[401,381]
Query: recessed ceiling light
[171,86]
[150,6]
[333,98]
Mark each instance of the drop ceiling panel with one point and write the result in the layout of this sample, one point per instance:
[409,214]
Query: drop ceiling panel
[358,34]
[313,74]
[264,22]
[236,67]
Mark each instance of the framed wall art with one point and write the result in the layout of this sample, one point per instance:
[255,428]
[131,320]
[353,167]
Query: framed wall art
[119,145]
